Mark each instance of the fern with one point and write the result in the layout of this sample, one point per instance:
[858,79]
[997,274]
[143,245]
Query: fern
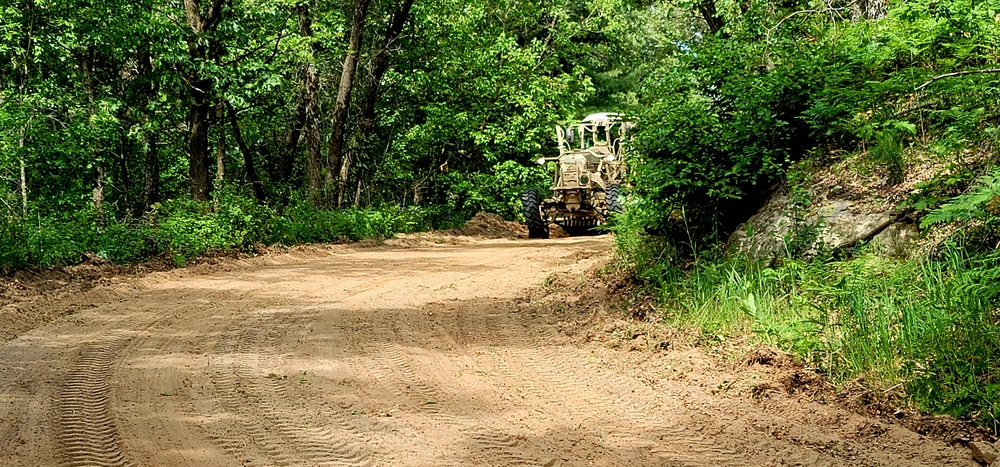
[969,205]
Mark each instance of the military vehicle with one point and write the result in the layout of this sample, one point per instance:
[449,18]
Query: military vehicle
[586,184]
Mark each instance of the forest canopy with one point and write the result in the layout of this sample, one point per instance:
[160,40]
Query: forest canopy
[123,114]
[265,117]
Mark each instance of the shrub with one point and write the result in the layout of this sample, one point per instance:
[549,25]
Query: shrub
[186,228]
[497,192]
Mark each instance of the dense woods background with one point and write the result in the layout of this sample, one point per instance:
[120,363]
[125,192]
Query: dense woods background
[136,129]
[116,114]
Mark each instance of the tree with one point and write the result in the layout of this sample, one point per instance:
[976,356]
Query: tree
[366,121]
[202,47]
[307,114]
[338,120]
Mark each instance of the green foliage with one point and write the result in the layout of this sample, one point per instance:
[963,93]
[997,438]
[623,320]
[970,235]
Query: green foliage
[183,229]
[802,238]
[651,260]
[956,334]
[12,245]
[718,131]
[888,151]
[99,99]
[723,116]
[926,325]
[980,202]
[498,192]
[64,240]
[123,243]
[304,224]
[187,228]
[977,210]
[721,120]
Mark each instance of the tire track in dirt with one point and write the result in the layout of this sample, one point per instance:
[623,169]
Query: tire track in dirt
[251,389]
[502,447]
[637,422]
[413,372]
[562,384]
[483,336]
[209,367]
[227,382]
[429,399]
[553,392]
[88,433]
[164,364]
[251,412]
[83,423]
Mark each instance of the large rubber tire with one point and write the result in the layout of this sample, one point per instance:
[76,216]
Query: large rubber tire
[537,227]
[613,200]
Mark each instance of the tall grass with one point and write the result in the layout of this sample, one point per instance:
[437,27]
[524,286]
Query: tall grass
[929,325]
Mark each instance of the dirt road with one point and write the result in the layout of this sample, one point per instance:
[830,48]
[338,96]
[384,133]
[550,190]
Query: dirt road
[410,355]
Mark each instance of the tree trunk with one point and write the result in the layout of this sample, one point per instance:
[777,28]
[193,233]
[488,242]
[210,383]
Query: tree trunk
[151,164]
[27,52]
[125,179]
[357,195]
[292,139]
[24,178]
[338,121]
[248,164]
[309,106]
[711,15]
[152,171]
[867,10]
[97,196]
[199,116]
[24,188]
[313,143]
[220,158]
[198,124]
[366,122]
[295,128]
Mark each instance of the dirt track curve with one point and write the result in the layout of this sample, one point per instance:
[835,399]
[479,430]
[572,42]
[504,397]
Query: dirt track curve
[412,355]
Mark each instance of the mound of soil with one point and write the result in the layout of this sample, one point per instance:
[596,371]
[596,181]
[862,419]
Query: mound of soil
[489,225]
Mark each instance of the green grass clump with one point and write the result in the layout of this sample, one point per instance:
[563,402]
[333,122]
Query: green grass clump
[929,325]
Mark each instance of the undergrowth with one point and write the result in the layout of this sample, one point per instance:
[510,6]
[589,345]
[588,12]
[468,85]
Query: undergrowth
[182,229]
[927,325]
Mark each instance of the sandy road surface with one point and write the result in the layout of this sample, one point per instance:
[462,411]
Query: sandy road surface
[422,355]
